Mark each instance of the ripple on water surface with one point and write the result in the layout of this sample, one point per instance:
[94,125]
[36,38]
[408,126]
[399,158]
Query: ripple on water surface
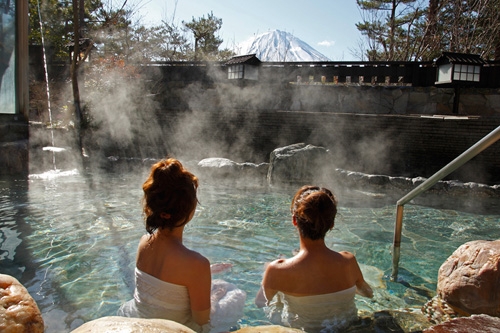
[80,236]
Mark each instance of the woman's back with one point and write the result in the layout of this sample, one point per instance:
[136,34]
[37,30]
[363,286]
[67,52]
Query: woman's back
[313,273]
[176,264]
[169,203]
[163,256]
[317,285]
[315,291]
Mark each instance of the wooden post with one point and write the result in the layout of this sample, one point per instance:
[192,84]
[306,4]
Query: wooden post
[456,99]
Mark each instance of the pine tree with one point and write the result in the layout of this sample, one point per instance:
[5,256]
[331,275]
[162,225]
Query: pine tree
[415,30]
[206,42]
[389,26]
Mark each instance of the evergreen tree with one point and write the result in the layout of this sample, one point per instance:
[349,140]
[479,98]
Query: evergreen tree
[112,31]
[57,23]
[415,30]
[206,43]
[470,26]
[390,27]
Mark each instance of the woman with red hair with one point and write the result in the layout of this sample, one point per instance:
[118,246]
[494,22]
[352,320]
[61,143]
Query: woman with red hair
[313,290]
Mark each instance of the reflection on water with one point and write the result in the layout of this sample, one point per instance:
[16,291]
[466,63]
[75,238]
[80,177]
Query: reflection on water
[71,240]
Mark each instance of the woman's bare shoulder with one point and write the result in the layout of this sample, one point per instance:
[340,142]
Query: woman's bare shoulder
[347,255]
[145,238]
[144,242]
[276,277]
[195,258]
[278,264]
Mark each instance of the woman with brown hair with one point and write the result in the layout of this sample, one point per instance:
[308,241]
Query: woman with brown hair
[314,290]
[172,281]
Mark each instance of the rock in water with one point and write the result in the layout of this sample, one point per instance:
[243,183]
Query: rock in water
[472,324]
[115,324]
[299,163]
[18,310]
[222,169]
[221,267]
[469,280]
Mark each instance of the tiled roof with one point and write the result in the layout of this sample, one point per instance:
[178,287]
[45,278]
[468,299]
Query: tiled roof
[250,59]
[460,58]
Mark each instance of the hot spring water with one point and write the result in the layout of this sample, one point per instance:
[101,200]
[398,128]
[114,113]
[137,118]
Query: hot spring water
[71,240]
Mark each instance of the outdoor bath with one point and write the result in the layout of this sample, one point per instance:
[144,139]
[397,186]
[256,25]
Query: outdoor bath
[70,234]
[72,238]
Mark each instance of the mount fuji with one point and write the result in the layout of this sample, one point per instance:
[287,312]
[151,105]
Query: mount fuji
[279,46]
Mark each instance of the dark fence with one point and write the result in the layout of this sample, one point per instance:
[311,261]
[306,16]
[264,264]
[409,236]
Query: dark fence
[383,73]
[417,74]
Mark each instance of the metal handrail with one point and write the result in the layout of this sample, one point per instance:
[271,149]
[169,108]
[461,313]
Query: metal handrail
[449,168]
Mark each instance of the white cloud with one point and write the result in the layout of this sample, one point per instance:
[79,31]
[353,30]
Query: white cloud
[327,43]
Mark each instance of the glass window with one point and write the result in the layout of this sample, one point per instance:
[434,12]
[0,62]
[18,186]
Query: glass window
[235,72]
[466,72]
[7,57]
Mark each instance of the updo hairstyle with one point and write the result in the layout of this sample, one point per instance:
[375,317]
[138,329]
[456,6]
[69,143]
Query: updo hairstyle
[314,209]
[169,189]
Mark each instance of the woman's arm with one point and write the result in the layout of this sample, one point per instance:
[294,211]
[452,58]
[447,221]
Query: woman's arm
[260,299]
[362,287]
[199,288]
[265,292]
[201,317]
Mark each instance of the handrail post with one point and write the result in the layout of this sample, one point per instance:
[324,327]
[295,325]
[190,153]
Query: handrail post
[396,247]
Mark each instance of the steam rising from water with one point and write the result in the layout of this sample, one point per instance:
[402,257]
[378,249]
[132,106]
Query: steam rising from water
[53,174]
[134,116]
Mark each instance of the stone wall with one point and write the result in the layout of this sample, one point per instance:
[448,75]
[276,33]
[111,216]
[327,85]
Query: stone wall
[365,99]
[394,145]
[399,131]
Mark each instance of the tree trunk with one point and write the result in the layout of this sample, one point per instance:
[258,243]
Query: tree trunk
[430,40]
[74,74]
[392,30]
[196,49]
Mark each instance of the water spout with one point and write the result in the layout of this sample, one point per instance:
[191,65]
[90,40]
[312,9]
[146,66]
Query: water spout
[47,88]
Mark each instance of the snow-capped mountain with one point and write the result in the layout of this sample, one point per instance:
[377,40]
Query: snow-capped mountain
[279,46]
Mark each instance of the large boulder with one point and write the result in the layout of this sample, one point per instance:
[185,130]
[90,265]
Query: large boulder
[472,324]
[469,280]
[18,310]
[113,324]
[299,163]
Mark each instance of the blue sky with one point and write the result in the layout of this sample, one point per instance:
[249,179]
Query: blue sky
[326,25]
